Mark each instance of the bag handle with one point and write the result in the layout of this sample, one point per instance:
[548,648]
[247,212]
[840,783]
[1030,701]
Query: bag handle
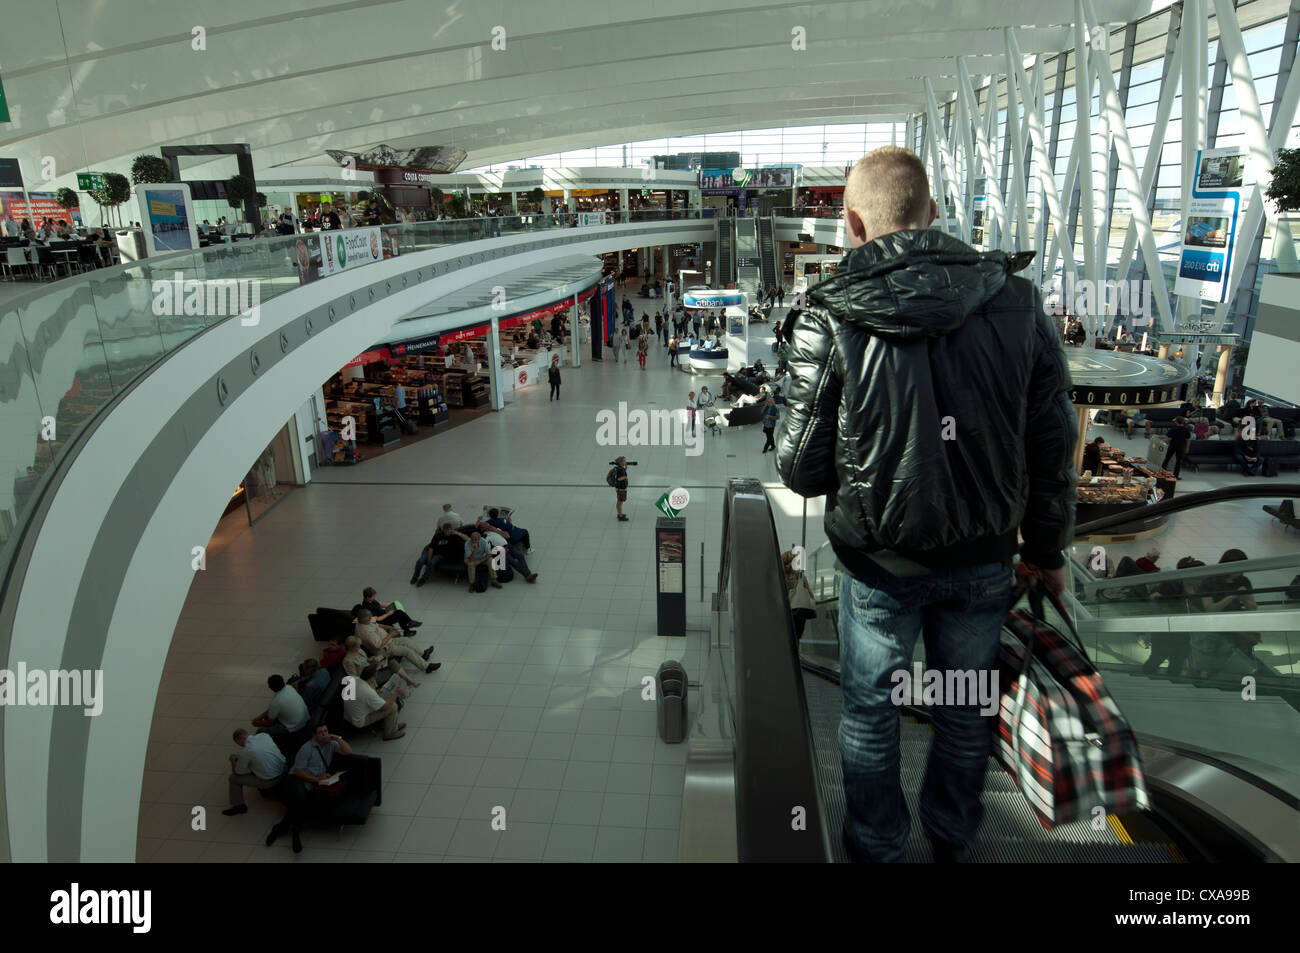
[1024,573]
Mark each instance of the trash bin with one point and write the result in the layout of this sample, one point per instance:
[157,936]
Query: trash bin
[670,692]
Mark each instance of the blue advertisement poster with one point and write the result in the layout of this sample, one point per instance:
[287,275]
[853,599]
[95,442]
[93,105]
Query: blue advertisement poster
[167,220]
[1210,232]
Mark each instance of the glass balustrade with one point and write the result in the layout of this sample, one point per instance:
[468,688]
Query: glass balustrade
[69,348]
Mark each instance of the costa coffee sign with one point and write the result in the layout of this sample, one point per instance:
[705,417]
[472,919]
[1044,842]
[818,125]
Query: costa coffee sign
[403,177]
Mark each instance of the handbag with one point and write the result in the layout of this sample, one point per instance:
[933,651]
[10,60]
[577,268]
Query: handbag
[799,597]
[1060,735]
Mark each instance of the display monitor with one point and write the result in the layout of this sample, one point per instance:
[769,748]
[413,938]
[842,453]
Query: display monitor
[167,217]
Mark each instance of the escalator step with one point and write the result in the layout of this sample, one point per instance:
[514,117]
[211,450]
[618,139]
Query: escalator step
[1009,833]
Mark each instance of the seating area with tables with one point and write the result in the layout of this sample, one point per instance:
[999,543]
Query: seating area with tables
[32,260]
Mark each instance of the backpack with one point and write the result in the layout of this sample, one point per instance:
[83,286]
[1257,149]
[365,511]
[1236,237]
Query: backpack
[610,478]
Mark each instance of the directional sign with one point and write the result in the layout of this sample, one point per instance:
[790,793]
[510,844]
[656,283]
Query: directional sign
[90,181]
[4,105]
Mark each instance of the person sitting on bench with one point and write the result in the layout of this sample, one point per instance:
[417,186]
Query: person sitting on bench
[478,562]
[362,705]
[443,551]
[516,536]
[311,766]
[514,558]
[287,711]
[383,640]
[386,614]
[311,681]
[259,764]
[356,659]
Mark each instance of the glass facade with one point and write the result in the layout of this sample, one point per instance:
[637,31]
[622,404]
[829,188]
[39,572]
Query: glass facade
[794,145]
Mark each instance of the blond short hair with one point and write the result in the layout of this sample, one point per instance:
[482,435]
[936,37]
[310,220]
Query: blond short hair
[352,642]
[889,188]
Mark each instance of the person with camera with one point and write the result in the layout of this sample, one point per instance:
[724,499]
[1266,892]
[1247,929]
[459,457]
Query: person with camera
[617,478]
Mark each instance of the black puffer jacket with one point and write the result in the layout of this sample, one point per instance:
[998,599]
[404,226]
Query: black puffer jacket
[930,401]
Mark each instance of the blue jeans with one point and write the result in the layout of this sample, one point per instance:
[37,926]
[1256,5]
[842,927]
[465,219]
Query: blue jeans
[960,613]
[515,560]
[426,562]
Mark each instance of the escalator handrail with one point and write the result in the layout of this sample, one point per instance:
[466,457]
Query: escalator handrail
[775,757]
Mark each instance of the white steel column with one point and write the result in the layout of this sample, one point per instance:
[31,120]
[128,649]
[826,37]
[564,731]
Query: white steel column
[1083,134]
[1043,167]
[1016,141]
[1138,220]
[1168,86]
[993,210]
[943,162]
[963,116]
[1195,70]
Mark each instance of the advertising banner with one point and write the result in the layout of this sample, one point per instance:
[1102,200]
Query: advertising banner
[42,207]
[349,248]
[1210,232]
[590,218]
[777,178]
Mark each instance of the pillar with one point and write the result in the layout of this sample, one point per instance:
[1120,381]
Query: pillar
[494,367]
[623,206]
[566,198]
[1083,414]
[1221,377]
[1163,352]
[575,335]
[514,201]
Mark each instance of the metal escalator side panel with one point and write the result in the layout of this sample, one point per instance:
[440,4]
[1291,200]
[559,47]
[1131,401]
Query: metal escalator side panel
[779,813]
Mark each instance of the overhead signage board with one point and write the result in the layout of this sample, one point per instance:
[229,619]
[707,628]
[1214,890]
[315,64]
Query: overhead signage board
[4,104]
[1210,231]
[775,178]
[90,181]
[11,175]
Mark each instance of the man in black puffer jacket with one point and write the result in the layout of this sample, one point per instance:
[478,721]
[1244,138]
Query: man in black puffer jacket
[929,401]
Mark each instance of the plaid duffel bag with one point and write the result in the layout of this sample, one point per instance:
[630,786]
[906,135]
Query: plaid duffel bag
[1059,733]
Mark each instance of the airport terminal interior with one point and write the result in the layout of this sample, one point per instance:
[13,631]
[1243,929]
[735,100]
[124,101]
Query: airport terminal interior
[401,401]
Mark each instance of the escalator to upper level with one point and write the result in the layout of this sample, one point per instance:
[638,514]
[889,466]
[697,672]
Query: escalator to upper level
[726,264]
[1220,756]
[769,273]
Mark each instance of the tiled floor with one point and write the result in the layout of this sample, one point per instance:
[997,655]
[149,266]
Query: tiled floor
[538,706]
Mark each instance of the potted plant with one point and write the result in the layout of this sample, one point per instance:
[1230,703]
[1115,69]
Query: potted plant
[537,196]
[116,190]
[67,199]
[147,168]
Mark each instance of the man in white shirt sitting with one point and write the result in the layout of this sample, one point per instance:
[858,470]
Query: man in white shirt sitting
[362,705]
[449,517]
[287,712]
[13,228]
[259,764]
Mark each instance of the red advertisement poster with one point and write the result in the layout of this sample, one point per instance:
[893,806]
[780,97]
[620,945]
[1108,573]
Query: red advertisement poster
[43,206]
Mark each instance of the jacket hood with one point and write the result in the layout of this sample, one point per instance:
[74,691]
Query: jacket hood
[916,283]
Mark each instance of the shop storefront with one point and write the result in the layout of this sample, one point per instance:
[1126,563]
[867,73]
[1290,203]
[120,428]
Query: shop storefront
[529,341]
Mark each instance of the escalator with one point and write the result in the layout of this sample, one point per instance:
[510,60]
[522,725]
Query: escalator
[769,277]
[1223,773]
[726,263]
